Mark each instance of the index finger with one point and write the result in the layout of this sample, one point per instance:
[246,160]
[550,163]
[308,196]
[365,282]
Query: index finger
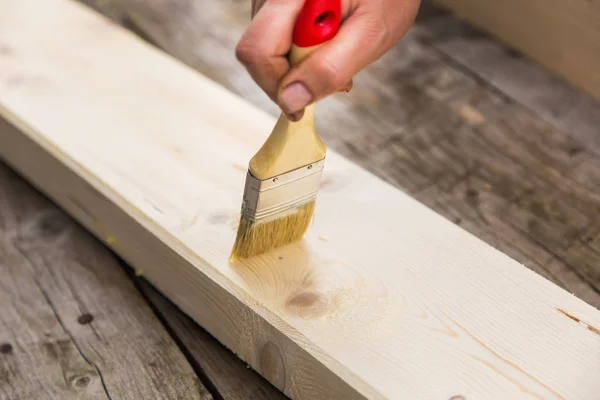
[264,46]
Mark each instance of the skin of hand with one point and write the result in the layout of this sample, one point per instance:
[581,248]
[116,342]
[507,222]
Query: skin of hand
[368,30]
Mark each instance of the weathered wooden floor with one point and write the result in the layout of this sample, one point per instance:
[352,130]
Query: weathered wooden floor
[470,128]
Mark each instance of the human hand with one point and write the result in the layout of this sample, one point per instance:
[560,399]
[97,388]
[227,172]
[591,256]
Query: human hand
[369,29]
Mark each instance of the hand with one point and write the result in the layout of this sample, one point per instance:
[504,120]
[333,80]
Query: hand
[369,29]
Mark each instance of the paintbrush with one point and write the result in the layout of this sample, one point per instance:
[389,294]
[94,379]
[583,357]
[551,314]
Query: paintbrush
[283,177]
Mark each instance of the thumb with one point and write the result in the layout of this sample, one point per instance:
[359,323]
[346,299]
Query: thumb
[332,66]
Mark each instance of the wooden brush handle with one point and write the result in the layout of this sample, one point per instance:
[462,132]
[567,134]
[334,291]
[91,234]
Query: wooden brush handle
[292,145]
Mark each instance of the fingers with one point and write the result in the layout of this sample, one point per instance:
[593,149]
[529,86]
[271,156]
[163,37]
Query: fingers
[263,47]
[256,5]
[295,116]
[347,87]
[331,67]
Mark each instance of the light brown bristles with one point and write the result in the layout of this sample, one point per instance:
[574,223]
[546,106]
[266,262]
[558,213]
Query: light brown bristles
[258,237]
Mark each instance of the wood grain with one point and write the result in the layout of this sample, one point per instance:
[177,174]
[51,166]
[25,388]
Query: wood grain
[454,49]
[229,376]
[351,312]
[72,326]
[434,118]
[573,112]
[562,35]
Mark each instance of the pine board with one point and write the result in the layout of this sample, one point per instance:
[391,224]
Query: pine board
[384,298]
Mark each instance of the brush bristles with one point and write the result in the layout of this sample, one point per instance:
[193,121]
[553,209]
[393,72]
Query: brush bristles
[259,237]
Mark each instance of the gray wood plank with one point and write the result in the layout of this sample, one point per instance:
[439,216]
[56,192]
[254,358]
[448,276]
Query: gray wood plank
[72,325]
[38,358]
[517,174]
[546,94]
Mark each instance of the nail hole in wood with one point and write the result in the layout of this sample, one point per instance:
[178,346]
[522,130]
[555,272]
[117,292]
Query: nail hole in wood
[85,319]
[6,348]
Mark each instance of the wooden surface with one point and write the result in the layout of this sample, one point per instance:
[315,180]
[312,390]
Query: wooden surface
[72,326]
[480,134]
[227,374]
[511,74]
[453,49]
[563,35]
[343,289]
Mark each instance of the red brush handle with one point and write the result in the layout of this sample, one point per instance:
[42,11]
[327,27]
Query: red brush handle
[318,21]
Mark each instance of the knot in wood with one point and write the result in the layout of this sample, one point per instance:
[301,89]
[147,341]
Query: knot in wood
[272,365]
[46,227]
[219,217]
[81,381]
[5,50]
[52,224]
[307,304]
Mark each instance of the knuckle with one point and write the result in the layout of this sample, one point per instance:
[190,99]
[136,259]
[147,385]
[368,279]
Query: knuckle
[376,28]
[385,34]
[378,32]
[330,75]
[246,53]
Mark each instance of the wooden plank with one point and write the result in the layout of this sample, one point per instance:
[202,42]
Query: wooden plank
[230,377]
[562,35]
[72,325]
[475,74]
[568,108]
[585,13]
[349,312]
[464,142]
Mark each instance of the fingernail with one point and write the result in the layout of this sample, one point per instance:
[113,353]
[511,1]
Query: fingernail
[295,97]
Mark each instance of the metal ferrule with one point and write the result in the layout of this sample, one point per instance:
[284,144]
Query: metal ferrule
[274,197]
